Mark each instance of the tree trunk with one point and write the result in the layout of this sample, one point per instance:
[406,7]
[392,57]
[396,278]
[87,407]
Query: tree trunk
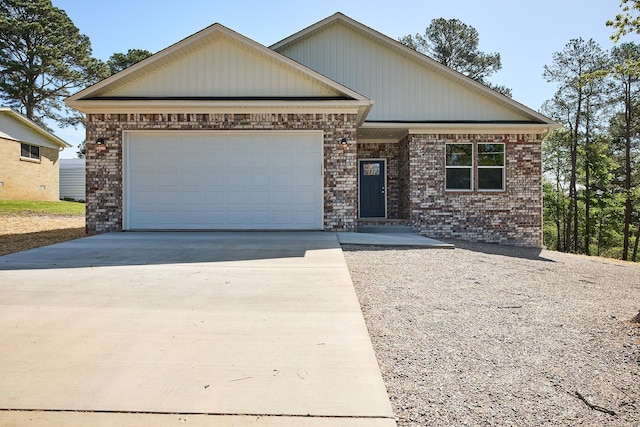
[627,166]
[559,214]
[587,190]
[635,246]
[573,193]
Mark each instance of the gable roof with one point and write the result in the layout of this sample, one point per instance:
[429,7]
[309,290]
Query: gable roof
[415,88]
[16,127]
[216,68]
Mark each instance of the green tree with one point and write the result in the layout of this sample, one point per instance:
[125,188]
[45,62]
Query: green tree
[628,21]
[556,170]
[119,61]
[455,44]
[43,57]
[82,150]
[625,92]
[573,105]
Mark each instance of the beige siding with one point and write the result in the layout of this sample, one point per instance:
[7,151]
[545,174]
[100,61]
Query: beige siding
[24,179]
[403,88]
[15,129]
[223,68]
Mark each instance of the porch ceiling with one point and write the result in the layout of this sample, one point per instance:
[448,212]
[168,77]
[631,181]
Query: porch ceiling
[382,133]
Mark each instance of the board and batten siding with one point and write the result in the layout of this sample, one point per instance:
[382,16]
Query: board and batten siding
[224,68]
[404,88]
[72,179]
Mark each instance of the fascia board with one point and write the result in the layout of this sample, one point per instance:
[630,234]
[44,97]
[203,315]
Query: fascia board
[421,128]
[101,106]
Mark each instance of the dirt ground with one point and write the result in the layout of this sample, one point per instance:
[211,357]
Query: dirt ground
[19,232]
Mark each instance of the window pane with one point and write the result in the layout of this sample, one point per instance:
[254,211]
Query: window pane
[490,148]
[35,152]
[24,150]
[459,154]
[490,154]
[491,159]
[490,178]
[371,169]
[458,179]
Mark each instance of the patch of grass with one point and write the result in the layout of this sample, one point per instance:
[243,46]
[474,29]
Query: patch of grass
[38,207]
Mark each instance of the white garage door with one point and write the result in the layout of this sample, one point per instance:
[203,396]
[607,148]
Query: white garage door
[223,180]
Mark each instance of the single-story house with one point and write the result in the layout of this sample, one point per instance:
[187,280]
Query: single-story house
[334,127]
[28,159]
[72,179]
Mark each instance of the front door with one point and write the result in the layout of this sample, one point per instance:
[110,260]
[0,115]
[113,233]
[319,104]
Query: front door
[372,189]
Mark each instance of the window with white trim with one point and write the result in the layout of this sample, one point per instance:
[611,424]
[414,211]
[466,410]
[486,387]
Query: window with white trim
[28,151]
[490,167]
[459,167]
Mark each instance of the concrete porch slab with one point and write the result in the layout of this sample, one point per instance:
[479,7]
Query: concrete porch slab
[391,239]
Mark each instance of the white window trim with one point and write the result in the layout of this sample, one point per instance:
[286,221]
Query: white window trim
[503,167]
[471,168]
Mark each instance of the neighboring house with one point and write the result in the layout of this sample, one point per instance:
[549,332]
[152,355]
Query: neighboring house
[334,127]
[28,159]
[72,179]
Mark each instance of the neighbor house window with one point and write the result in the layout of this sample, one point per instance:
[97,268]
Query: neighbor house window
[490,167]
[30,151]
[459,165]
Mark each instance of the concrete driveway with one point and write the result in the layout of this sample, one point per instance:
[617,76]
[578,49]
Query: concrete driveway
[206,328]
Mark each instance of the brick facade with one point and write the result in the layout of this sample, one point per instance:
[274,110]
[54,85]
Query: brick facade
[512,217]
[415,175]
[27,179]
[104,161]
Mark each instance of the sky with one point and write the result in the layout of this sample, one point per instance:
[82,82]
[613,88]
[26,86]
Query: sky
[525,33]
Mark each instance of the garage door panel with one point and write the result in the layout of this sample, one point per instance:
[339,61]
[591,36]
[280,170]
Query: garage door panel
[191,217]
[223,180]
[282,162]
[282,198]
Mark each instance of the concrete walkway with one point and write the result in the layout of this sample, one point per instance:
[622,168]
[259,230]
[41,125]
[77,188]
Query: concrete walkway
[221,329]
[391,239]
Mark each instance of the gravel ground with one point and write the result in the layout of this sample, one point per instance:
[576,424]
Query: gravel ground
[485,335]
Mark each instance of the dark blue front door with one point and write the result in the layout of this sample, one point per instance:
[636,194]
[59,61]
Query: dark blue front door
[372,189]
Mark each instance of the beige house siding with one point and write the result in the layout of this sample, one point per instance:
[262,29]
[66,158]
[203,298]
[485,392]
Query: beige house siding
[27,179]
[104,161]
[403,87]
[223,68]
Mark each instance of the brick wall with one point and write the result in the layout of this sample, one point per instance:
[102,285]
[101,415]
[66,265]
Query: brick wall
[389,151]
[512,217]
[27,179]
[104,161]
[404,207]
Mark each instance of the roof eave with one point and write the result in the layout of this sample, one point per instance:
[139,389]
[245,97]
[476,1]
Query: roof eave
[48,135]
[97,106]
[485,127]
